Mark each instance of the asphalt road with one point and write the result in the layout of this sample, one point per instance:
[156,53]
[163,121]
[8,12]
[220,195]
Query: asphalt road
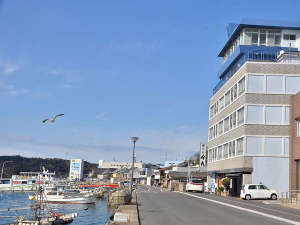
[171,208]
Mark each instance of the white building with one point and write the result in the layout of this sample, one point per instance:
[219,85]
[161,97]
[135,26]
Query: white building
[118,165]
[249,110]
[76,169]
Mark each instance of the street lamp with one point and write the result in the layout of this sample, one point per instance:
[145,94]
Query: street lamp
[3,167]
[134,140]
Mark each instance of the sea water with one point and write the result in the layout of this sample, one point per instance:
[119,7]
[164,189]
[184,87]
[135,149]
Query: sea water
[88,214]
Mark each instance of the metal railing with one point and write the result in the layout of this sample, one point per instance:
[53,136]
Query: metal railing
[290,197]
[253,56]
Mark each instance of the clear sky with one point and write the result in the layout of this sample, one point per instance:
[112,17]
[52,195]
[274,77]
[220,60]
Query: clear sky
[116,69]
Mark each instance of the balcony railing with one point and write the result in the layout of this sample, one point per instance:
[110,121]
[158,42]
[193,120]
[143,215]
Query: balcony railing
[257,56]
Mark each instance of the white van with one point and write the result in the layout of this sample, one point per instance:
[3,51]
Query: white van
[195,185]
[257,191]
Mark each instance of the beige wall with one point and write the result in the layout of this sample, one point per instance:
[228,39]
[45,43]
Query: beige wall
[237,162]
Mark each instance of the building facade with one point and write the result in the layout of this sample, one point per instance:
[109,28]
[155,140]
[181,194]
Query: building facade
[119,165]
[76,169]
[249,110]
[295,143]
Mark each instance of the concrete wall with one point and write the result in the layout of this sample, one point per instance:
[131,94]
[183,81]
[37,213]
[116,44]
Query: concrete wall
[247,179]
[272,172]
[233,163]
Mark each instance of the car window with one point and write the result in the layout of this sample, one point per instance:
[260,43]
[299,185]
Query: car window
[252,187]
[261,187]
[196,181]
[265,187]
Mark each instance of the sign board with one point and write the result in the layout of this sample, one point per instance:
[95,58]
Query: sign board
[202,155]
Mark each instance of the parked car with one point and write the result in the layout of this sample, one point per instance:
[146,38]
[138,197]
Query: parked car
[194,185]
[257,191]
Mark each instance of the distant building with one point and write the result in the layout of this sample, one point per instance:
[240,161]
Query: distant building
[249,118]
[172,163]
[295,143]
[76,169]
[118,165]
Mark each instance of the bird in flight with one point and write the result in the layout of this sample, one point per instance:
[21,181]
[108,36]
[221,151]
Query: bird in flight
[53,120]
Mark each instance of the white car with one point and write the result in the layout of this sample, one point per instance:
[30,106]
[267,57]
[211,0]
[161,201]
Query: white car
[257,191]
[194,185]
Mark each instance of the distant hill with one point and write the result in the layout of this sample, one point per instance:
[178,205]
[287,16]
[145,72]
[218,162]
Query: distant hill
[23,164]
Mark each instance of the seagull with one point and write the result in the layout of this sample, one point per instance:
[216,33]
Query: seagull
[53,120]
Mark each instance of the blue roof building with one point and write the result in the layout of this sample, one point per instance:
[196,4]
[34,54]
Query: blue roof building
[255,41]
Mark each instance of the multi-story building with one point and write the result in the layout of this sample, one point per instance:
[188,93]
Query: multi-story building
[249,110]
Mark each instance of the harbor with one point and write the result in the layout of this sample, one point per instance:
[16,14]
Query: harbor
[97,213]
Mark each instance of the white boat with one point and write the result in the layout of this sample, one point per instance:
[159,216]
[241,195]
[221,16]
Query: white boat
[26,181]
[53,195]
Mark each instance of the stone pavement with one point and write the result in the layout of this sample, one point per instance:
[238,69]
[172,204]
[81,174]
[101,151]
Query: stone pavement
[130,210]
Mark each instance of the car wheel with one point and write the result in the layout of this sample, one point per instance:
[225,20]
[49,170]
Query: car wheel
[274,197]
[248,197]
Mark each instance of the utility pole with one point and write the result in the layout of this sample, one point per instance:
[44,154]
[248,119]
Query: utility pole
[134,140]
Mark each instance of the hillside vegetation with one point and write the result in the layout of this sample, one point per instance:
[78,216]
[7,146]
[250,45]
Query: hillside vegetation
[23,164]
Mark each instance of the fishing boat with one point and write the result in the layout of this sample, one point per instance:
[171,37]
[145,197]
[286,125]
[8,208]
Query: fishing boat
[26,181]
[51,219]
[55,196]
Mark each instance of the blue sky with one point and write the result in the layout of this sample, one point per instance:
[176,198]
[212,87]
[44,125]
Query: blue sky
[116,69]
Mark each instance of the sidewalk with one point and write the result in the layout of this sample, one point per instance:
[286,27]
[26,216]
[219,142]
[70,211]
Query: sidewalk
[131,211]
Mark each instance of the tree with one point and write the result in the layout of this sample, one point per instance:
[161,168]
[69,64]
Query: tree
[226,183]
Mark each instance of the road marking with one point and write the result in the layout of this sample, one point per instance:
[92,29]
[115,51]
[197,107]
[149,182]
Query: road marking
[256,206]
[244,209]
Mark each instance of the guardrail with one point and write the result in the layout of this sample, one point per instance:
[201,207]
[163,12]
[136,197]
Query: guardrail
[290,197]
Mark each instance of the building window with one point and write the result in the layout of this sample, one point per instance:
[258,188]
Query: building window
[289,37]
[274,115]
[298,128]
[273,146]
[225,151]
[274,84]
[233,149]
[241,116]
[251,36]
[255,114]
[221,103]
[209,155]
[226,124]
[262,37]
[240,146]
[235,91]
[234,119]
[211,111]
[211,133]
[221,127]
[220,153]
[214,154]
[241,86]
[292,84]
[286,115]
[254,145]
[256,84]
[286,146]
[271,39]
[227,98]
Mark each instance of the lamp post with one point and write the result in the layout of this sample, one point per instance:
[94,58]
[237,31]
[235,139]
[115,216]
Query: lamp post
[134,140]
[3,167]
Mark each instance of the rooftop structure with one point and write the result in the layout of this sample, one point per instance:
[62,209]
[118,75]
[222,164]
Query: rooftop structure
[255,41]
